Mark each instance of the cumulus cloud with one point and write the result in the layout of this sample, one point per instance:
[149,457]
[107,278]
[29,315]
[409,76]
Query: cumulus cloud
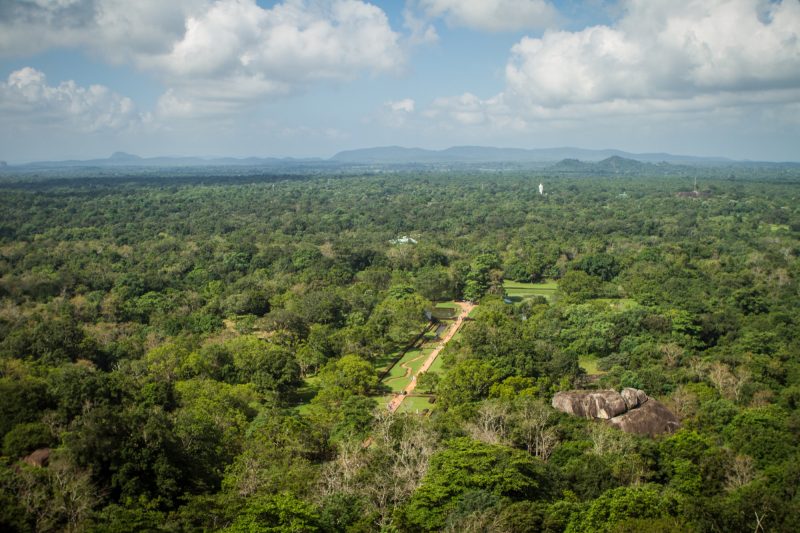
[660,57]
[405,105]
[219,56]
[27,96]
[420,30]
[469,110]
[493,15]
[238,52]
[118,30]
[397,113]
[663,50]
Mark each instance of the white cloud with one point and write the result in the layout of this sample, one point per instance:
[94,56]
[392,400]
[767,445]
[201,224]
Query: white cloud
[405,105]
[663,50]
[239,52]
[420,30]
[493,15]
[214,57]
[469,110]
[118,30]
[27,98]
[661,58]
[396,113]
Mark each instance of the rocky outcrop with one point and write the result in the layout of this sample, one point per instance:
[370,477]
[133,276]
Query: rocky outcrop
[631,410]
[633,397]
[603,404]
[652,418]
[40,457]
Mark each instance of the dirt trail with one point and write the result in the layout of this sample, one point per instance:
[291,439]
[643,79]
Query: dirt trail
[466,308]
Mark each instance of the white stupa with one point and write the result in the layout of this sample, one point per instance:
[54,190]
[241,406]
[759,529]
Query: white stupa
[541,188]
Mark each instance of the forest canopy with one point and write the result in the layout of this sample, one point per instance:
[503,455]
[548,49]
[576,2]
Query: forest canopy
[216,354]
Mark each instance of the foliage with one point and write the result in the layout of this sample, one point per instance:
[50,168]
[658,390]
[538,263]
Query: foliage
[202,352]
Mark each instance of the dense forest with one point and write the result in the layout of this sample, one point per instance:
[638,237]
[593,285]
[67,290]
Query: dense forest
[204,354]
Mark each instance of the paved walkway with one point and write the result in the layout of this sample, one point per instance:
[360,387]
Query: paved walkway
[466,308]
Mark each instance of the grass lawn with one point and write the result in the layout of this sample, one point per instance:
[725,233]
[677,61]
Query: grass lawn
[518,291]
[412,404]
[414,359]
[436,366]
[383,363]
[618,304]
[589,364]
[305,393]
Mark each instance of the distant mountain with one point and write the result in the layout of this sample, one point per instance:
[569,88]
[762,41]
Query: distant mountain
[487,154]
[611,165]
[122,159]
[564,159]
[122,156]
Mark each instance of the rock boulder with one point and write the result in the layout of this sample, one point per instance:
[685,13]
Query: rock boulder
[631,410]
[652,418]
[633,397]
[40,457]
[603,404]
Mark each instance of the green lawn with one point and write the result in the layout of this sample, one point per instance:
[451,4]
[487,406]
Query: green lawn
[618,304]
[414,359]
[517,291]
[413,404]
[383,363]
[589,364]
[436,366]
[305,393]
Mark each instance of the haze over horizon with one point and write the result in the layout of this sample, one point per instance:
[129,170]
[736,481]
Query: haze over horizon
[81,79]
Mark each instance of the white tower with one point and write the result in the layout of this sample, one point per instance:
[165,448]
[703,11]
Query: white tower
[541,188]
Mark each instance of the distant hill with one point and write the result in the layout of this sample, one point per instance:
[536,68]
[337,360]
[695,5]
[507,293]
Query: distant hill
[122,159]
[488,154]
[611,165]
[565,159]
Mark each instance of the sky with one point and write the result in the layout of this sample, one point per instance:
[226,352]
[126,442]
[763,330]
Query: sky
[308,78]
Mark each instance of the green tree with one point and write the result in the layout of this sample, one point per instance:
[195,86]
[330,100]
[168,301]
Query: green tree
[467,466]
[279,513]
[618,506]
[268,366]
[467,381]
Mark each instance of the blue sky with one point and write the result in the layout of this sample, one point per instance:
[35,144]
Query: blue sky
[84,78]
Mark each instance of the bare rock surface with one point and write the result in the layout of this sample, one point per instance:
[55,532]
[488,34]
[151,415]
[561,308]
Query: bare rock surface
[38,457]
[631,410]
[652,418]
[603,404]
[633,397]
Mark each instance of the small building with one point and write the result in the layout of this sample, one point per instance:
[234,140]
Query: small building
[405,239]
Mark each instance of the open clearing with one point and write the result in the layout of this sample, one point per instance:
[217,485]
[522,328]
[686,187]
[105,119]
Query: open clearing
[416,405]
[618,304]
[589,364]
[518,291]
[438,345]
[400,375]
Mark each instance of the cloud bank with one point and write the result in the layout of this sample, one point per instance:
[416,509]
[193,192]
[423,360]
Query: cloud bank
[214,57]
[26,98]
[661,57]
